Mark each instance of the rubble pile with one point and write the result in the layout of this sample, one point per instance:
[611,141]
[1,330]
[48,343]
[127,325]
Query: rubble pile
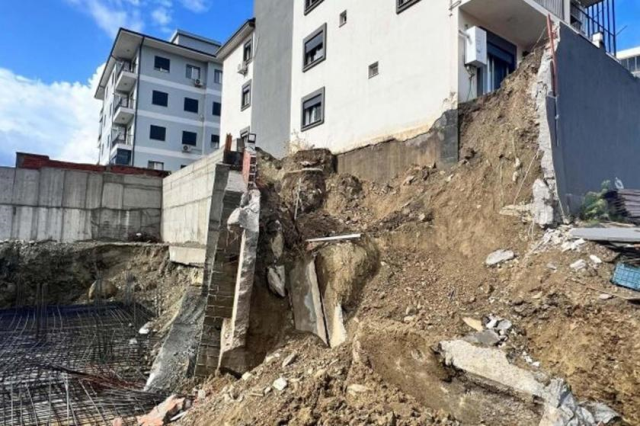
[432,298]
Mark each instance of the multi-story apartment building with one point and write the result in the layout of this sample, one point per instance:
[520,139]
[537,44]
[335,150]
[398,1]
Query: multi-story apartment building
[161,101]
[364,71]
[630,59]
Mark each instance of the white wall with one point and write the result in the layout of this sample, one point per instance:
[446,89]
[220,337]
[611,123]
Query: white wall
[416,51]
[234,119]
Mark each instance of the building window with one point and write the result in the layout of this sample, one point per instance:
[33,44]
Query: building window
[402,5]
[215,141]
[246,96]
[343,18]
[160,98]
[193,72]
[122,157]
[247,52]
[155,165]
[162,64]
[189,138]
[313,109]
[217,76]
[373,70]
[157,133]
[217,109]
[315,48]
[309,5]
[191,105]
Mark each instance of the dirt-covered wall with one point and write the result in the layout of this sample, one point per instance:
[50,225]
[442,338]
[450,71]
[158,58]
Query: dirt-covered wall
[76,205]
[597,121]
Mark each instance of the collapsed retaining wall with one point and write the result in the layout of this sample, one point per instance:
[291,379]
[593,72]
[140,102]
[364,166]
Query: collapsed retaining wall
[596,125]
[75,205]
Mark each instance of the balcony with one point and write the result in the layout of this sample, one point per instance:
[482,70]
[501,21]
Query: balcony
[123,111]
[126,77]
[554,6]
[596,19]
[122,138]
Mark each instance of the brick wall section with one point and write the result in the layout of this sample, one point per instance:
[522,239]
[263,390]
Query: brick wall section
[220,272]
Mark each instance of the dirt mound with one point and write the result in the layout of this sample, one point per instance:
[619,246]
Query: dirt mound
[432,231]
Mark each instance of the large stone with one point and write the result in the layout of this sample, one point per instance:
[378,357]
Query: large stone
[276,277]
[542,208]
[500,256]
[108,290]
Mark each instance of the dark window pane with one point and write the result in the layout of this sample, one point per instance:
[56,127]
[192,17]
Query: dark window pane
[217,109]
[122,157]
[162,64]
[160,98]
[247,54]
[215,141]
[157,133]
[217,77]
[191,105]
[189,138]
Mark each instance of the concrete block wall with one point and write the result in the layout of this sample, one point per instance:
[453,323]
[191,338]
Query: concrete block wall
[71,205]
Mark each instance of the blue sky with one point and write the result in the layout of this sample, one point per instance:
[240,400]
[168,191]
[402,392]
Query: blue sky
[51,51]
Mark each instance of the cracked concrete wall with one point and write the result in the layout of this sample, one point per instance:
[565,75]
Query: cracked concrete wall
[71,205]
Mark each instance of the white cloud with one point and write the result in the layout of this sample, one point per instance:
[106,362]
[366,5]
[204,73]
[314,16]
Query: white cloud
[161,16]
[58,119]
[110,15]
[197,6]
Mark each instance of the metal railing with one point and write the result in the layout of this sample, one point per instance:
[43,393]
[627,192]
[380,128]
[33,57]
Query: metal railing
[124,66]
[122,102]
[597,19]
[554,6]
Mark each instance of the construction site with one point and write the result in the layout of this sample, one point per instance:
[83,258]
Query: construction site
[250,290]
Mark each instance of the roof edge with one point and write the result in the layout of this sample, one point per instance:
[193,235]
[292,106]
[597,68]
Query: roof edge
[231,44]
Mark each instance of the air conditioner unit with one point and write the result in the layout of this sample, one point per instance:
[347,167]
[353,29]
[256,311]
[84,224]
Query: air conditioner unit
[197,82]
[476,47]
[243,68]
[186,148]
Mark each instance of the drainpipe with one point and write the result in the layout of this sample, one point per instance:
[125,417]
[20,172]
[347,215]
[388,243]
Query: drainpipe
[135,120]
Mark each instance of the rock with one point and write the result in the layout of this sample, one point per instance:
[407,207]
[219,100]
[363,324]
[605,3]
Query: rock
[280,384]
[277,243]
[410,311]
[572,245]
[467,153]
[161,414]
[542,207]
[356,389]
[408,180]
[578,265]
[247,376]
[118,421]
[474,323]
[289,360]
[276,277]
[605,296]
[409,318]
[484,338]
[552,267]
[145,329]
[109,290]
[595,259]
[500,256]
[422,217]
[202,394]
[504,326]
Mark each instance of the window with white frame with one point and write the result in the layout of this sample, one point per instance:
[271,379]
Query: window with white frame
[193,72]
[313,109]
[217,76]
[315,48]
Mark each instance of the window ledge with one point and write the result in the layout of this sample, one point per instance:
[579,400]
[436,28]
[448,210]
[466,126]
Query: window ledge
[308,10]
[400,9]
[313,64]
[311,126]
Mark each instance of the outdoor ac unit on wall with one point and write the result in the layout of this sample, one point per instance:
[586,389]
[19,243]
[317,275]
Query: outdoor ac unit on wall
[476,47]
[186,148]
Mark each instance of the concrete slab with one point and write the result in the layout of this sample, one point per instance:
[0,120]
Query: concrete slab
[6,221]
[76,225]
[51,187]
[190,256]
[137,197]
[618,235]
[112,196]
[26,187]
[305,299]
[75,189]
[94,191]
[49,223]
[144,181]
[24,223]
[7,176]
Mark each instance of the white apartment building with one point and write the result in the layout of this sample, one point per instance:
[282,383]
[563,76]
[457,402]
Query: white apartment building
[630,59]
[161,101]
[365,71]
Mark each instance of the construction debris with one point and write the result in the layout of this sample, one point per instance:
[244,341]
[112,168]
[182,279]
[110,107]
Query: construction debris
[335,238]
[624,203]
[500,256]
[627,276]
[609,234]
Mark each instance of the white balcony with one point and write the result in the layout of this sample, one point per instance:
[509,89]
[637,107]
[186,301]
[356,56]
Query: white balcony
[123,111]
[126,79]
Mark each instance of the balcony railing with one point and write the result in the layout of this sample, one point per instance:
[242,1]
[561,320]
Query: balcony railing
[554,6]
[124,66]
[597,19]
[122,102]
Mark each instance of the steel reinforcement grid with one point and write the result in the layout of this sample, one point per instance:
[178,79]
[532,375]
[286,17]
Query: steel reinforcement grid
[74,365]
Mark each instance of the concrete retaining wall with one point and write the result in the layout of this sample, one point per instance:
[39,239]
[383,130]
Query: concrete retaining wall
[597,131]
[70,205]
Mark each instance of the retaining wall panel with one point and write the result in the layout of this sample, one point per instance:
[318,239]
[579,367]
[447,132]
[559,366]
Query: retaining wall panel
[7,177]
[26,187]
[75,190]
[51,187]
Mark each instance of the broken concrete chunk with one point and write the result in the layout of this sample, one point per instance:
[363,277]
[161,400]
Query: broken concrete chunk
[578,265]
[289,360]
[145,329]
[595,259]
[542,208]
[476,324]
[500,256]
[161,414]
[107,290]
[276,277]
[484,338]
[356,389]
[280,384]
